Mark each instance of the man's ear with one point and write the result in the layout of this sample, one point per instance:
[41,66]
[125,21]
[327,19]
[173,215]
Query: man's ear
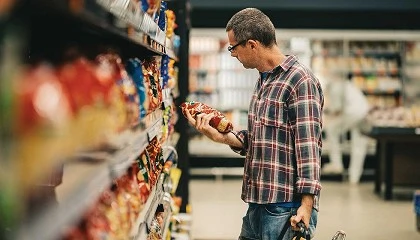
[253,43]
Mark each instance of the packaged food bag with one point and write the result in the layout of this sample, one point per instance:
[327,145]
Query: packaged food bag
[219,121]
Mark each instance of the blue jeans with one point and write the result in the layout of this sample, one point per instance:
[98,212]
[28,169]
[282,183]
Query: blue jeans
[265,222]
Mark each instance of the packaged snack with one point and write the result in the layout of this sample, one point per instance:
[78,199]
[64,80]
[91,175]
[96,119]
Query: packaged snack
[219,121]
[170,23]
[151,7]
[103,220]
[151,73]
[126,86]
[143,174]
[160,18]
[106,72]
[154,150]
[165,71]
[41,125]
[90,94]
[143,181]
[134,69]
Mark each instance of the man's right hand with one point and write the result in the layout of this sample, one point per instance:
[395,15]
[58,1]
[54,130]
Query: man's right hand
[201,123]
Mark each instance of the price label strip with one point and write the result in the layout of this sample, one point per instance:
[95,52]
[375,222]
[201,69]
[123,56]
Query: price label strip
[155,130]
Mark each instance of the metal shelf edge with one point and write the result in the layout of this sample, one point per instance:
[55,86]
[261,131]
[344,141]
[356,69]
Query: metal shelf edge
[50,223]
[149,208]
[166,226]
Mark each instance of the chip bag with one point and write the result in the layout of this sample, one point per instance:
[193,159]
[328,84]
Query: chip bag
[219,121]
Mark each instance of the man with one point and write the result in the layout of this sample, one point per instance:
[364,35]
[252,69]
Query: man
[282,144]
[346,110]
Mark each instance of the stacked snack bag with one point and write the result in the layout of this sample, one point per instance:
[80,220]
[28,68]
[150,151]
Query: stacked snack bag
[81,104]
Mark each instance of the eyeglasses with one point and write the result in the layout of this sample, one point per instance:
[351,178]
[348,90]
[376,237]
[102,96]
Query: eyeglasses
[231,48]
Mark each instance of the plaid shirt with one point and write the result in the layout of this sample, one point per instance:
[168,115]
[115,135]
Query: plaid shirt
[283,141]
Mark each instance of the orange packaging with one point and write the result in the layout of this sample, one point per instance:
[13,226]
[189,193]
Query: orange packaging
[219,121]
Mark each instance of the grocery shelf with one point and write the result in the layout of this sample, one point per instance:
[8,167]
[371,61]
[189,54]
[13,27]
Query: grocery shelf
[92,178]
[56,32]
[173,140]
[395,131]
[376,54]
[146,215]
[373,72]
[204,91]
[124,158]
[167,98]
[142,232]
[139,139]
[83,183]
[169,153]
[171,53]
[99,21]
[166,225]
[382,92]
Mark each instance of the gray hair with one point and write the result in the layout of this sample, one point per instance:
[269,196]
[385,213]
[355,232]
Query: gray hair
[251,23]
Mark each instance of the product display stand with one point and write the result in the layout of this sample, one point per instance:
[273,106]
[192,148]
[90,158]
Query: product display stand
[398,158]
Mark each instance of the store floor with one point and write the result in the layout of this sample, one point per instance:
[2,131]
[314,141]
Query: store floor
[217,212]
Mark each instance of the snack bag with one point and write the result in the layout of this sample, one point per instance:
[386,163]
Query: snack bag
[219,121]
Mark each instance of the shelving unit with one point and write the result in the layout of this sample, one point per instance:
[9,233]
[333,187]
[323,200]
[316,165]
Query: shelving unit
[216,78]
[91,28]
[376,62]
[373,66]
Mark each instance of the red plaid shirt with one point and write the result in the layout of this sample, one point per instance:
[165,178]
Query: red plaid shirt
[283,142]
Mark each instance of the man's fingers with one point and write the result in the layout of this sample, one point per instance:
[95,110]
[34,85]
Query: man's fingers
[190,119]
[206,118]
[203,120]
[294,221]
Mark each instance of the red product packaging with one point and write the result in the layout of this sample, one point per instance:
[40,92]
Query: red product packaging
[219,121]
[151,73]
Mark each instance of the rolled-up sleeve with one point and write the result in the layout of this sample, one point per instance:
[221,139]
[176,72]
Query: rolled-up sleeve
[306,119]
[242,136]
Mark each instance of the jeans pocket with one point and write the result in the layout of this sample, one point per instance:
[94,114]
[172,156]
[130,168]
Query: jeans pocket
[274,210]
[274,219]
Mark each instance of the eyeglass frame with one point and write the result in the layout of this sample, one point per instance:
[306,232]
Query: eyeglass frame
[232,48]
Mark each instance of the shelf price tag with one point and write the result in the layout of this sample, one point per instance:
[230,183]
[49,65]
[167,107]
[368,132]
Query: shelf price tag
[122,156]
[119,8]
[154,130]
[167,98]
[104,3]
[166,94]
[134,15]
[417,131]
[139,145]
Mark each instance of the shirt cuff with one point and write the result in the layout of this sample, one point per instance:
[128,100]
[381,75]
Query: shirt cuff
[241,137]
[308,186]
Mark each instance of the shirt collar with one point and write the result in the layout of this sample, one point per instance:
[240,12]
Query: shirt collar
[285,65]
[288,62]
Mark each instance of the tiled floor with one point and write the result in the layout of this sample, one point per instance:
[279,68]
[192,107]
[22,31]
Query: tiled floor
[217,211]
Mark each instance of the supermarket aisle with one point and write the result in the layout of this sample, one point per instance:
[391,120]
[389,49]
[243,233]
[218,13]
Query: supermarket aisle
[218,209]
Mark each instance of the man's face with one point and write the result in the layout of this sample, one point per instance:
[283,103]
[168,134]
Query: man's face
[240,52]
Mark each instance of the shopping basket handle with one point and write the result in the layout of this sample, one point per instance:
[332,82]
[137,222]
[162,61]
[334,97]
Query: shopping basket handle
[303,232]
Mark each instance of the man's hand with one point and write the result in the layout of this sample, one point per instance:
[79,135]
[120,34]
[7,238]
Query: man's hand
[201,123]
[303,213]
